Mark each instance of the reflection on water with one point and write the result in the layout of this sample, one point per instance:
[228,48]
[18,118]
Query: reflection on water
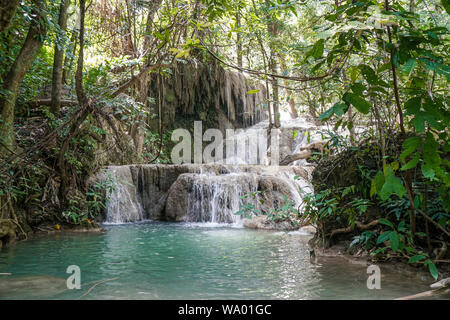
[182,261]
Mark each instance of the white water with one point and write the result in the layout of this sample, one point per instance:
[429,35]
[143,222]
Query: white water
[122,205]
[214,197]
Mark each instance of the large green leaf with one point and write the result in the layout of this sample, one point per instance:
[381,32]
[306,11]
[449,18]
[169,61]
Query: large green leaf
[377,183]
[394,241]
[417,258]
[357,101]
[369,74]
[392,185]
[386,222]
[317,49]
[412,106]
[384,236]
[409,146]
[432,268]
[339,109]
[419,122]
[410,65]
[427,171]
[412,163]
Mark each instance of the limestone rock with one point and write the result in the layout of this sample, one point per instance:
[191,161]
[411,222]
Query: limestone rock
[198,192]
[264,223]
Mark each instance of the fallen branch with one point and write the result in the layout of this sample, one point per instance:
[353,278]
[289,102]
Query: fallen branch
[428,293]
[307,152]
[432,221]
[48,102]
[350,228]
[440,287]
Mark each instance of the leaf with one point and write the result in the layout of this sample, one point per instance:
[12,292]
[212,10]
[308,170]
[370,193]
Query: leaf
[377,183]
[409,146]
[317,49]
[413,105]
[446,5]
[432,268]
[358,88]
[392,185]
[386,223]
[419,122]
[410,65]
[412,163]
[394,241]
[358,102]
[253,91]
[427,171]
[338,109]
[417,258]
[384,67]
[369,74]
[383,237]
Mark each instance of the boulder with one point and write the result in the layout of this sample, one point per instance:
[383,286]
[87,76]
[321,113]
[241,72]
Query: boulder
[264,223]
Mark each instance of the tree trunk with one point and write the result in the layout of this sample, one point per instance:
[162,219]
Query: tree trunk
[293,112]
[68,61]
[238,41]
[58,58]
[7,11]
[137,133]
[81,95]
[30,49]
[272,31]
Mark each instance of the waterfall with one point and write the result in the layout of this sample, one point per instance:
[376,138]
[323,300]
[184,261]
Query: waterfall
[217,198]
[122,201]
[212,192]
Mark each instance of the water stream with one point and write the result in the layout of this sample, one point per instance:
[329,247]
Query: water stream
[156,260]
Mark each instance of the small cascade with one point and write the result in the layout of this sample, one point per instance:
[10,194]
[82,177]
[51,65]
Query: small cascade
[123,204]
[209,197]
[217,198]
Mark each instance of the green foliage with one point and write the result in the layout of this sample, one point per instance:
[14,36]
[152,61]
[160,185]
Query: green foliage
[285,211]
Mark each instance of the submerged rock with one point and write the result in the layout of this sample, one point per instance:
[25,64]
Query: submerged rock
[31,287]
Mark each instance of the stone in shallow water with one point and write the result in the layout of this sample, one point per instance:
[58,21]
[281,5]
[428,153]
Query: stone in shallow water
[31,287]
[261,222]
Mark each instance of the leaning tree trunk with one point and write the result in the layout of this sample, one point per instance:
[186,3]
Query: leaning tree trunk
[58,58]
[30,49]
[137,133]
[273,32]
[7,11]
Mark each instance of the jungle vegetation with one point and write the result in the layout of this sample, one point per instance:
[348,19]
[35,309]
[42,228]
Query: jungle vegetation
[74,76]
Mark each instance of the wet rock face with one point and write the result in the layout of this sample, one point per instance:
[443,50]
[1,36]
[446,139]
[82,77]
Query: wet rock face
[209,93]
[197,193]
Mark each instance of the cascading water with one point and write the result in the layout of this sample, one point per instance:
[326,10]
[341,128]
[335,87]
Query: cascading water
[212,192]
[217,198]
[123,205]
